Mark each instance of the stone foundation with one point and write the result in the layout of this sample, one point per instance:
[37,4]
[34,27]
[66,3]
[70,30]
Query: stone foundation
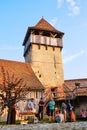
[54,126]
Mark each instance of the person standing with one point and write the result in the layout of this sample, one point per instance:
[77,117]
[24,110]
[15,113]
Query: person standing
[31,105]
[47,110]
[69,108]
[63,107]
[73,117]
[41,108]
[51,104]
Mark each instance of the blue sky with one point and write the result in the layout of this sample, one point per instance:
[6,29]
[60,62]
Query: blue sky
[68,16]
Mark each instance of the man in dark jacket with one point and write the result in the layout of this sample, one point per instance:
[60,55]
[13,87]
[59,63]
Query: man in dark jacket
[41,106]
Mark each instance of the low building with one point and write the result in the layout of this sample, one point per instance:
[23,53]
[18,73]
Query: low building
[76,91]
[24,71]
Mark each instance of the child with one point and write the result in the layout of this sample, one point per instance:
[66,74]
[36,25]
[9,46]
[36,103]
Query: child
[59,117]
[83,113]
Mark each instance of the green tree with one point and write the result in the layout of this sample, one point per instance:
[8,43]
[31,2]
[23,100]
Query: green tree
[12,90]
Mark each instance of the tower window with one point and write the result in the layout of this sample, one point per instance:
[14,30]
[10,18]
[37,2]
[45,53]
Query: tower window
[52,89]
[46,47]
[46,34]
[36,32]
[53,48]
[38,46]
[39,75]
[53,92]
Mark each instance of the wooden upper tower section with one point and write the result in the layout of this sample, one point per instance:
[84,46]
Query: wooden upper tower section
[43,33]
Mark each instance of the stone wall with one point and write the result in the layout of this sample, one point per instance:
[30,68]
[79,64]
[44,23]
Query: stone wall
[54,126]
[47,64]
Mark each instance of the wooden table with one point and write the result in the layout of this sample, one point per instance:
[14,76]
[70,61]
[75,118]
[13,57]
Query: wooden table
[26,116]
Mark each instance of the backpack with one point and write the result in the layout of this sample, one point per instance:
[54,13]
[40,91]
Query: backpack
[69,107]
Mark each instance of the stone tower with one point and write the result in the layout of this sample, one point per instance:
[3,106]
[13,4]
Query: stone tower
[42,49]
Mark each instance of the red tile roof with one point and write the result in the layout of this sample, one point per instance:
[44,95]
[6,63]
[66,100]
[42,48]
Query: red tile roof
[21,70]
[82,89]
[44,25]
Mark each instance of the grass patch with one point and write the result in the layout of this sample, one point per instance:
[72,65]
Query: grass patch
[46,120]
[81,120]
[3,123]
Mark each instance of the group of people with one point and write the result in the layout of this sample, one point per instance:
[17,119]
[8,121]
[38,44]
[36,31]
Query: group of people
[59,115]
[32,107]
[67,110]
[37,108]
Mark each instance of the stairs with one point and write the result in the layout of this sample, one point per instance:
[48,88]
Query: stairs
[47,96]
[69,94]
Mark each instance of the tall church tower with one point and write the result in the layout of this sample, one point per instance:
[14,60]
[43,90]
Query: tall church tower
[42,49]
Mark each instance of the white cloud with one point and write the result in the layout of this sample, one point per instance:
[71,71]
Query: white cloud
[76,10]
[71,2]
[70,58]
[72,6]
[60,2]
[54,21]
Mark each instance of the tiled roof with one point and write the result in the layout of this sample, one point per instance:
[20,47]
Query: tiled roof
[21,70]
[82,89]
[44,25]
